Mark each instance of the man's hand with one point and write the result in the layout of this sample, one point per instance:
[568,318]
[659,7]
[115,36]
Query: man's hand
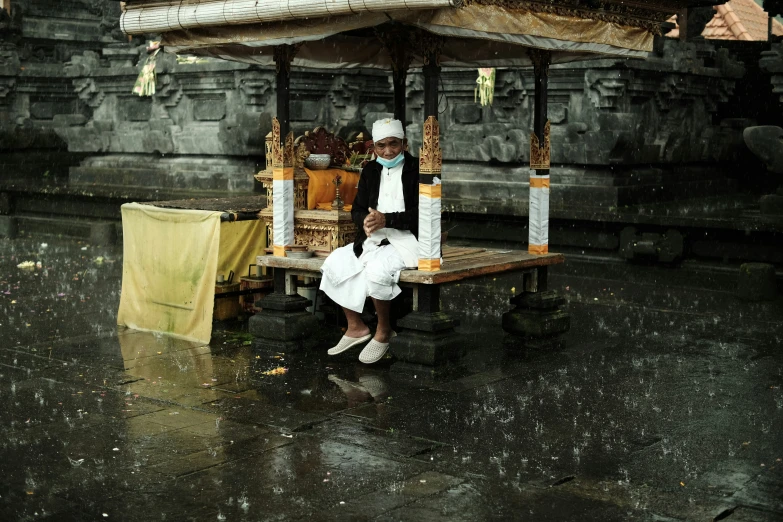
[374,221]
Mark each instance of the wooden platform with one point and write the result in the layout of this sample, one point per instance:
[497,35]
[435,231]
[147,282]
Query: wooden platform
[458,263]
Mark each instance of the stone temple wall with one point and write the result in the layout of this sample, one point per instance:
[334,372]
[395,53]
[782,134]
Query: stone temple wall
[772,63]
[36,97]
[623,131]
[205,127]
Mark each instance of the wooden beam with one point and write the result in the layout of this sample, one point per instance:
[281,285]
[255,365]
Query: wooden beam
[502,261]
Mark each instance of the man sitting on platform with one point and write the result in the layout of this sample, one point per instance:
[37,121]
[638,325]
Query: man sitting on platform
[386,213]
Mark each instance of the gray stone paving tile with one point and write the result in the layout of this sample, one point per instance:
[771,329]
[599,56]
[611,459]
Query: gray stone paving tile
[258,412]
[375,504]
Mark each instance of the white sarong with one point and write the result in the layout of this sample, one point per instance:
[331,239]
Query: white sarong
[349,280]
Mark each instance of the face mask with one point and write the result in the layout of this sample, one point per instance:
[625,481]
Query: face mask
[399,158]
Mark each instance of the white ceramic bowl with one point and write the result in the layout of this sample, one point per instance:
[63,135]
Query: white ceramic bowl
[318,161]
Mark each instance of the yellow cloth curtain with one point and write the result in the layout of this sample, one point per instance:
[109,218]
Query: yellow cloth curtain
[321,189]
[240,243]
[170,261]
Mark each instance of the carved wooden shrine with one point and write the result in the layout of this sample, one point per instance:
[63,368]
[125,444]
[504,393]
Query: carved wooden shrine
[320,230]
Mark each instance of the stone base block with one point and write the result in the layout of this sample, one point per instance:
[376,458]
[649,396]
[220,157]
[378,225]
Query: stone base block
[428,339]
[283,324]
[9,227]
[428,322]
[537,319]
[757,282]
[535,324]
[426,348]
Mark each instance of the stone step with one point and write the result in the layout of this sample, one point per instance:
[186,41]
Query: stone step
[94,201]
[196,180]
[674,190]
[231,174]
[510,198]
[95,231]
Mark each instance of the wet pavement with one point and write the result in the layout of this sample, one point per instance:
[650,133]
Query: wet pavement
[666,404]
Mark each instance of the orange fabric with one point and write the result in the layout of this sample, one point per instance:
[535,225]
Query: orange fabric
[321,187]
[429,265]
[539,182]
[328,206]
[538,249]
[285,173]
[430,191]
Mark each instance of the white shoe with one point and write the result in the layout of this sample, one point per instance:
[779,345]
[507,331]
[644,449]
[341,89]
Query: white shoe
[346,343]
[374,351]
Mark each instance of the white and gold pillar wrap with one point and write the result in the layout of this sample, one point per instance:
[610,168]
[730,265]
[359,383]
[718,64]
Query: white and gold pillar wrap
[430,163]
[540,151]
[282,190]
[538,239]
[429,227]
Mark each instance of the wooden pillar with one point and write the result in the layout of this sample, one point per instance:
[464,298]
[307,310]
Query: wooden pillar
[431,72]
[398,78]
[540,150]
[682,23]
[398,42]
[283,155]
[283,56]
[6,4]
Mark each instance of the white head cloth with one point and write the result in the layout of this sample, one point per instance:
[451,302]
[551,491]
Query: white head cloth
[387,128]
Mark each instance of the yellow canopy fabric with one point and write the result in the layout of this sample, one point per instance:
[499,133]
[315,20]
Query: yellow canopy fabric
[475,36]
[170,261]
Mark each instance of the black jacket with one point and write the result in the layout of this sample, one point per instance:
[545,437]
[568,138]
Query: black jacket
[367,197]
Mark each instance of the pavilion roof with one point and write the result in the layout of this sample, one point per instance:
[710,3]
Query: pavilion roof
[343,33]
[737,20]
